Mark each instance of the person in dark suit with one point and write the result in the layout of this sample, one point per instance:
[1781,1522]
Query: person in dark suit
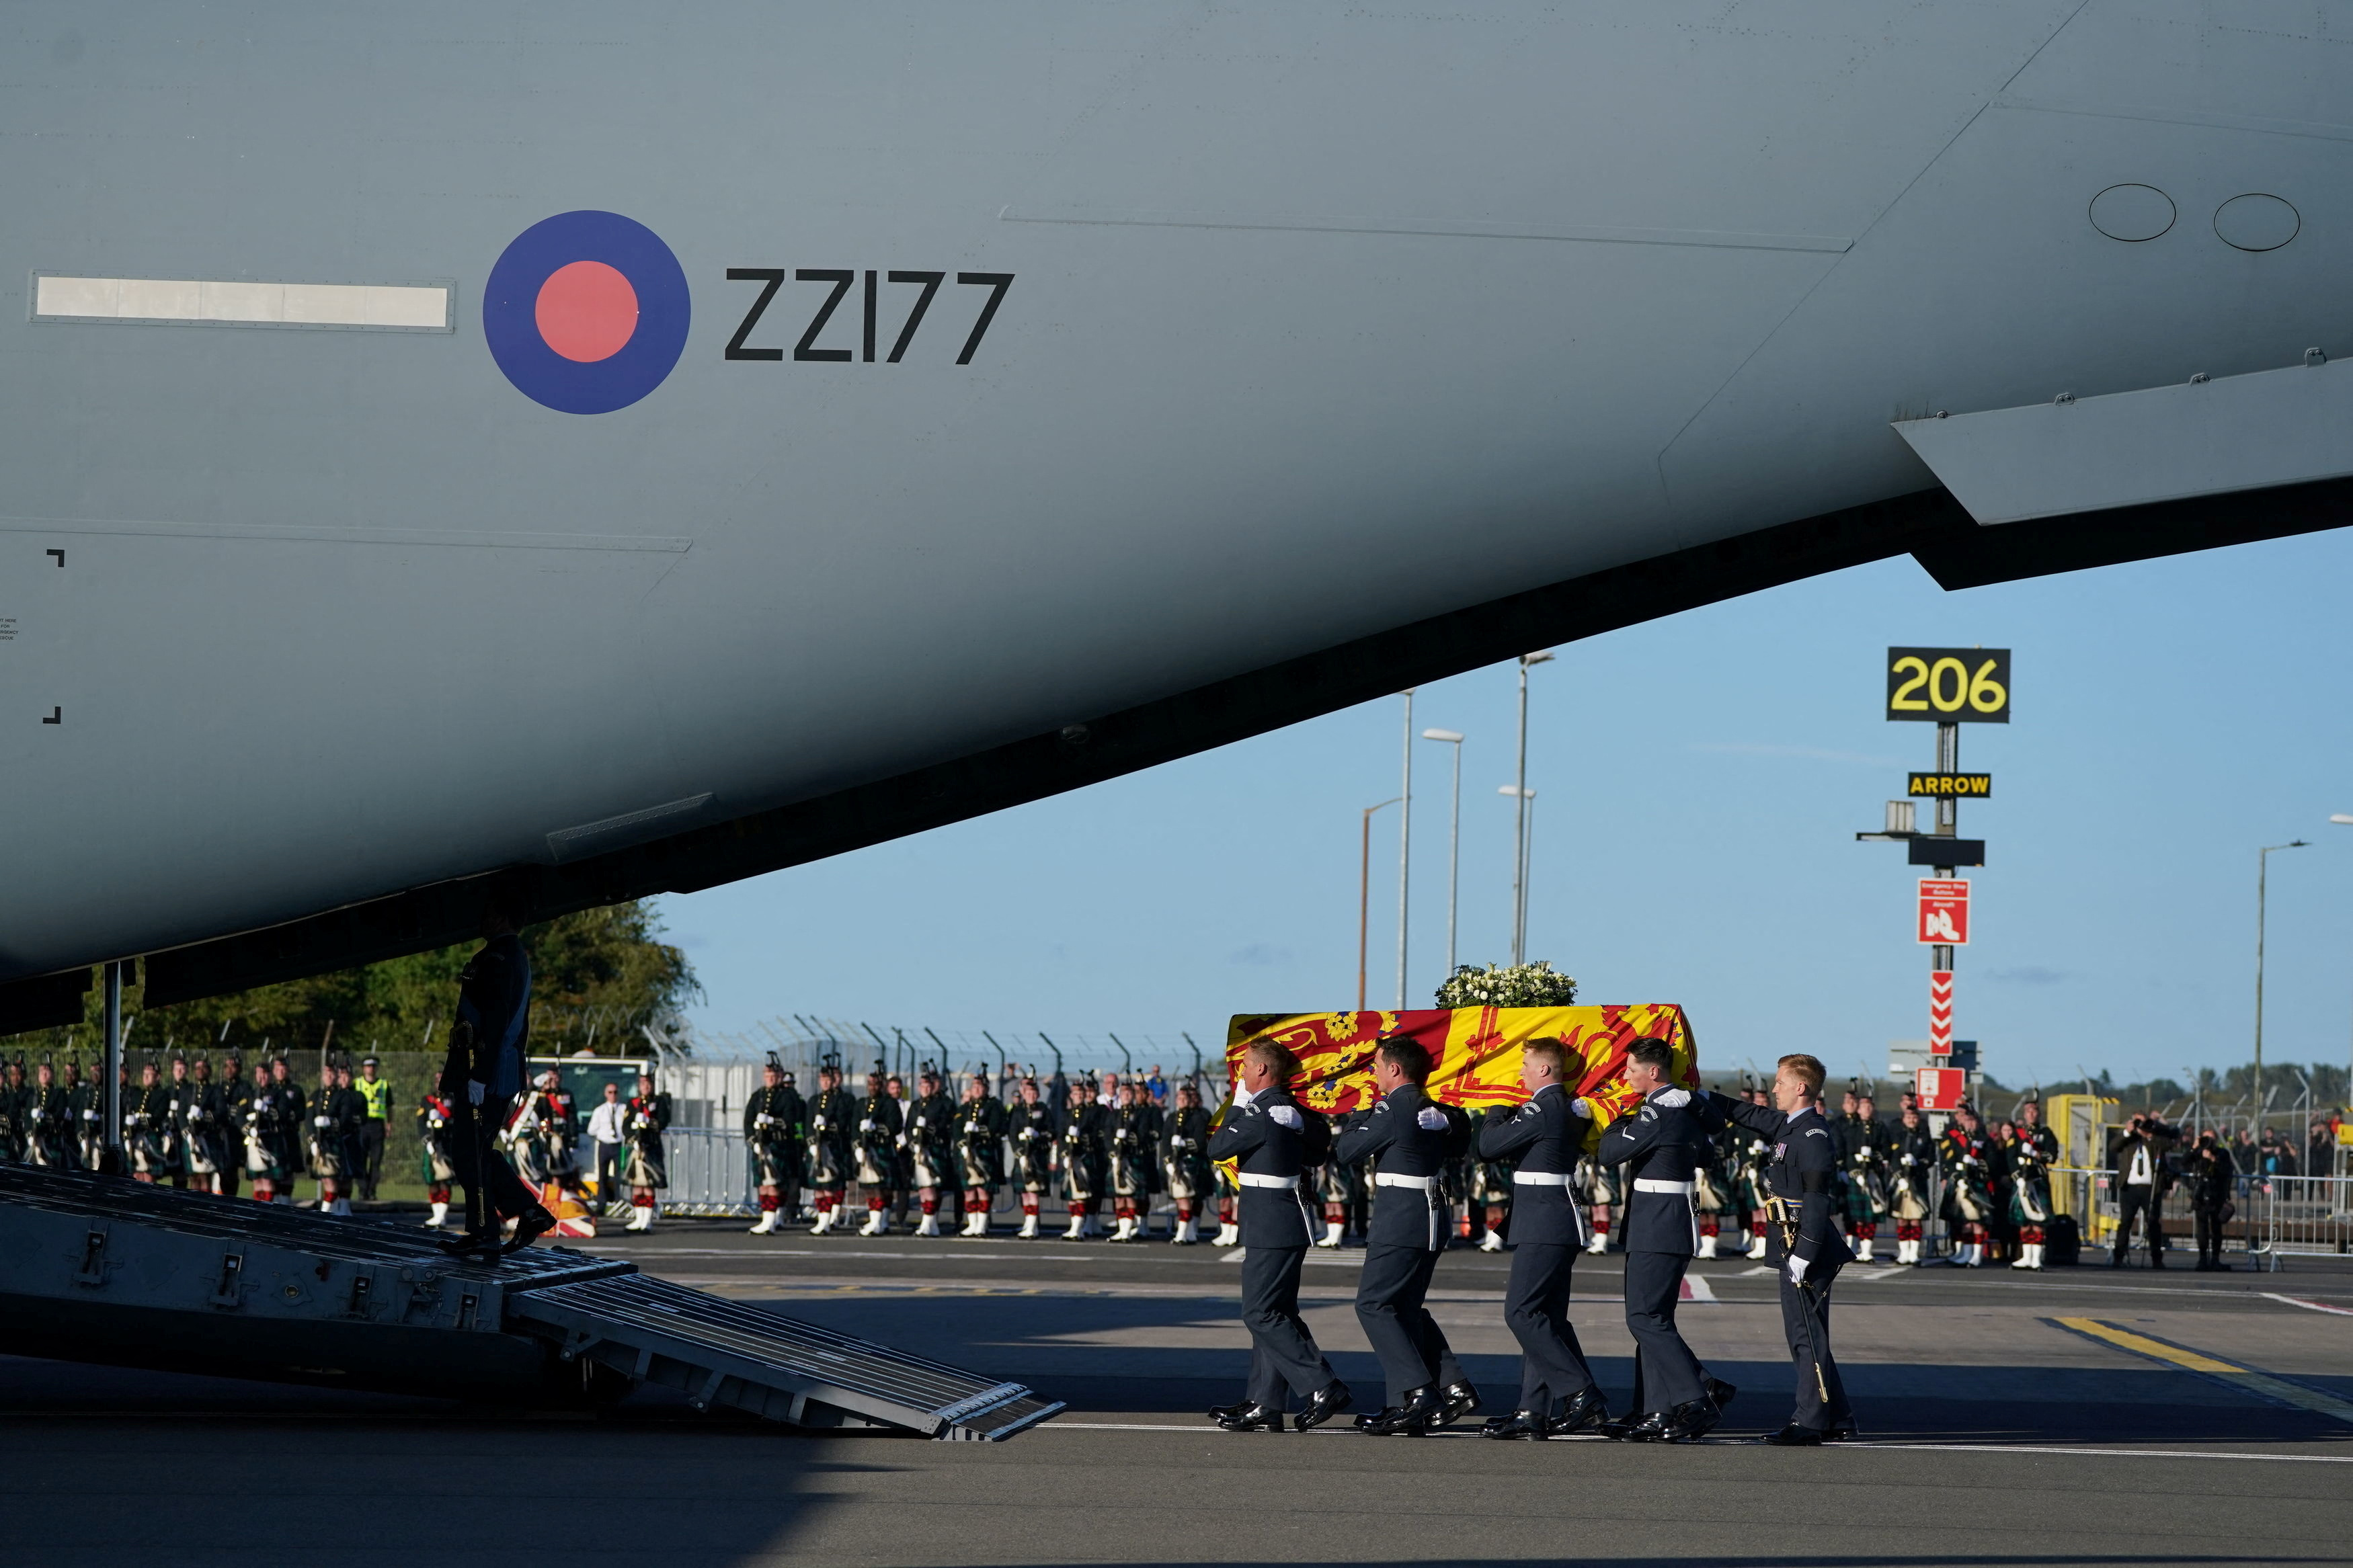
[1661,1145]
[1804,1243]
[1545,1136]
[1410,1137]
[1275,1141]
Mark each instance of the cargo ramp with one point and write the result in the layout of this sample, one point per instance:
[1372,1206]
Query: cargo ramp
[100,1268]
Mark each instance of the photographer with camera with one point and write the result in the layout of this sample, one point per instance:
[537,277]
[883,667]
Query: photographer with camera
[2138,1157]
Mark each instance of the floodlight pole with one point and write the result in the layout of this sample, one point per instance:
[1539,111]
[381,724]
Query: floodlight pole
[2262,896]
[1520,829]
[1405,843]
[1364,902]
[1453,840]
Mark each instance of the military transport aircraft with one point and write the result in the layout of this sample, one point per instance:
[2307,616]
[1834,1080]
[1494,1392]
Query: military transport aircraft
[629,448]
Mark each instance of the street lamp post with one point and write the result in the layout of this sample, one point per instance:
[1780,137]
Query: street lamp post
[2344,820]
[1528,802]
[1453,839]
[1520,838]
[1364,900]
[2263,874]
[1405,843]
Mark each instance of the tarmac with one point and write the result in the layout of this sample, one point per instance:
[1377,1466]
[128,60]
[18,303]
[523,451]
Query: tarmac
[2085,1416]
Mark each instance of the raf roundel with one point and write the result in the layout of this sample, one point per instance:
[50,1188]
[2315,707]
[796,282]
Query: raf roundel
[586,312]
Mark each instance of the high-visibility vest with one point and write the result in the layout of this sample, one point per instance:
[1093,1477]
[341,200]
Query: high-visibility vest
[377,1094]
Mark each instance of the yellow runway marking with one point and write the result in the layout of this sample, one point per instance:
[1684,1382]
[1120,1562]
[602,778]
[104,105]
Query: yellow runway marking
[2246,1378]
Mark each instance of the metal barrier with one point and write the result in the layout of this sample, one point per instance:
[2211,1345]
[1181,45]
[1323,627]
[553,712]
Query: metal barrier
[710,1172]
[2271,1215]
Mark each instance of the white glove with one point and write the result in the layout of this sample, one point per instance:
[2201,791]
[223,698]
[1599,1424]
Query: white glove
[1430,1117]
[1285,1116]
[866,1124]
[1582,1106]
[819,1124]
[1797,1269]
[767,1121]
[475,1091]
[318,1121]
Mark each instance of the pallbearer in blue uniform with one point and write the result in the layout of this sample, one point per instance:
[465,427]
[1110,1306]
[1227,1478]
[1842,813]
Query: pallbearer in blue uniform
[1274,1140]
[1806,1247]
[1409,1137]
[1659,1145]
[1545,1137]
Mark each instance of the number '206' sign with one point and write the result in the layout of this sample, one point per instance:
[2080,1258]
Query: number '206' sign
[1948,685]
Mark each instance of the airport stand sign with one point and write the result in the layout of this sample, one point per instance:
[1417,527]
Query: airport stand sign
[1948,685]
[1944,912]
[1940,1089]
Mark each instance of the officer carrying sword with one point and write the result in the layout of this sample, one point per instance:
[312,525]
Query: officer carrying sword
[1804,1243]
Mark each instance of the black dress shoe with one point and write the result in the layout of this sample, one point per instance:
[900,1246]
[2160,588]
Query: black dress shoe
[536,1223]
[1719,1393]
[1227,1412]
[1518,1424]
[1588,1409]
[1621,1429]
[1691,1419]
[1793,1437]
[1454,1402]
[1254,1418]
[1846,1433]
[1328,1400]
[1411,1419]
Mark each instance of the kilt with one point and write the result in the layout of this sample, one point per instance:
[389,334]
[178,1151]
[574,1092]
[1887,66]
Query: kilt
[646,1168]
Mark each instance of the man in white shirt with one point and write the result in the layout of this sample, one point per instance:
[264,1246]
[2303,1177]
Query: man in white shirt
[604,1130]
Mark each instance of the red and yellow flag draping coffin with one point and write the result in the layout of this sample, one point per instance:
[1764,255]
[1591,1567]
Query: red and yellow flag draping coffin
[1476,1050]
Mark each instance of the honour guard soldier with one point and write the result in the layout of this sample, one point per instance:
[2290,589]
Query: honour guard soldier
[880,1130]
[146,1120]
[979,1152]
[1805,1247]
[1409,1137]
[324,1143]
[1967,1156]
[481,1074]
[1604,1190]
[1134,1143]
[1712,1192]
[559,1134]
[931,1134]
[14,1107]
[1914,1157]
[1494,1184]
[235,1098]
[1085,1151]
[830,1116]
[49,1118]
[375,1092]
[436,1127]
[772,1131]
[1861,1144]
[1659,1144]
[1031,1133]
[265,1137]
[204,1153]
[293,1120]
[1274,1140]
[87,1106]
[2033,1150]
[1748,1179]
[1184,1156]
[648,1172]
[344,1111]
[1556,1389]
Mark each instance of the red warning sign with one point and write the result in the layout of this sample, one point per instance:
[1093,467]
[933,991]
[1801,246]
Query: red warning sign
[1944,912]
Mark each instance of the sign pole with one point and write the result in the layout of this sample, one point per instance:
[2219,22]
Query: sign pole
[1949,814]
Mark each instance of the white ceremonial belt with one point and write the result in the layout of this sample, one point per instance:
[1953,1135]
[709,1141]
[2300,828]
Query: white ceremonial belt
[1539,1178]
[1419,1184]
[1252,1179]
[1645,1184]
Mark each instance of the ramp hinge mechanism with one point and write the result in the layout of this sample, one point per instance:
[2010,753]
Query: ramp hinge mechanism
[231,1291]
[578,1343]
[93,1259]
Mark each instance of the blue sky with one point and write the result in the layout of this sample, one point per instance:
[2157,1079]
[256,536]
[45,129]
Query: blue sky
[1699,782]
